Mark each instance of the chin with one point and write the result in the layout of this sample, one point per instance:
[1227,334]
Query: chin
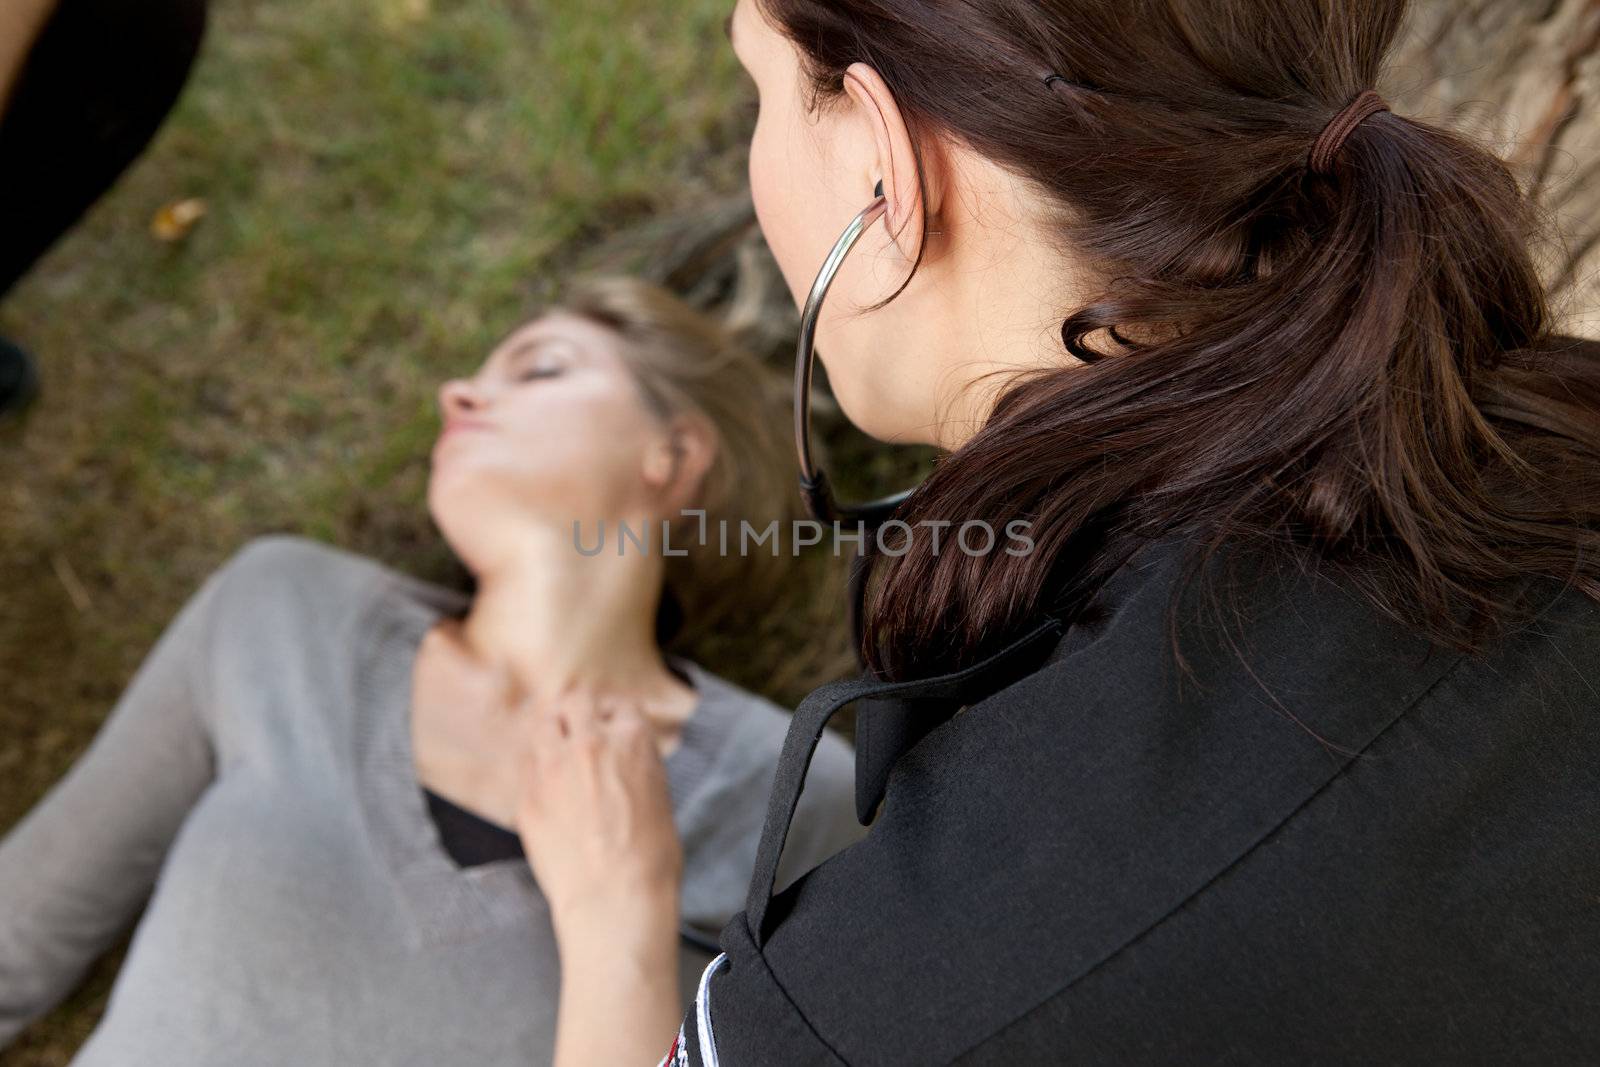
[445,515]
[460,508]
[440,495]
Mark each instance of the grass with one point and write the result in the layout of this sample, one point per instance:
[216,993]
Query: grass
[390,184]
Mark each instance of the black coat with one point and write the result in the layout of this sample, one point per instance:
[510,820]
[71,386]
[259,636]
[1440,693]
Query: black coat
[1360,848]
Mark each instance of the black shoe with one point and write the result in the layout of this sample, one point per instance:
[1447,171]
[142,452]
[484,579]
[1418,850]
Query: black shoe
[19,379]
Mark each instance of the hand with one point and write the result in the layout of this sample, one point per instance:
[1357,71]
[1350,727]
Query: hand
[595,816]
[595,819]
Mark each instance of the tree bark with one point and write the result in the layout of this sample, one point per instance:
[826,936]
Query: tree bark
[1524,77]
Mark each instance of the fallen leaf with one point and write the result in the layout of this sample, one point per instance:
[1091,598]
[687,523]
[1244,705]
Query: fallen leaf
[174,221]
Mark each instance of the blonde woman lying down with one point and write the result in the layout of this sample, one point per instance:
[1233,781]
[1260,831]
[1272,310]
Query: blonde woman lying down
[318,767]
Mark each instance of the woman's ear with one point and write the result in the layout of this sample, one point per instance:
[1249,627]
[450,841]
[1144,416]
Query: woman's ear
[887,154]
[677,463]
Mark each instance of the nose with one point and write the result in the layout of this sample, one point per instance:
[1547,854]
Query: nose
[459,396]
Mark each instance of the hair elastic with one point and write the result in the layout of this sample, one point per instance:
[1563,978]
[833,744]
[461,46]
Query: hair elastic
[1333,137]
[1341,126]
[1050,77]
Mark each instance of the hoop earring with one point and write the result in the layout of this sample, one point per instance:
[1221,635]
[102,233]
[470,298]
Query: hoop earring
[814,487]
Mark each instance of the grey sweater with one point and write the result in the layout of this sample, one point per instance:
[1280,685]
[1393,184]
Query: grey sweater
[257,774]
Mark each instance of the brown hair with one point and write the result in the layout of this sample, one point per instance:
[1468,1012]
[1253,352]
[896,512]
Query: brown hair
[687,362]
[1357,366]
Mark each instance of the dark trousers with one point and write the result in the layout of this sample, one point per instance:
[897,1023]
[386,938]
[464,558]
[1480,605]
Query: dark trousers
[93,92]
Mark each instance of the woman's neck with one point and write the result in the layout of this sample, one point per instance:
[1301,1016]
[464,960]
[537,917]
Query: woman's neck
[553,619]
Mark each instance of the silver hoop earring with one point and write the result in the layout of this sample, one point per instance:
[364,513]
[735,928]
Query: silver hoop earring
[814,487]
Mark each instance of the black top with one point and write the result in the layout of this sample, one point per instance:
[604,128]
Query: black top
[469,837]
[1335,843]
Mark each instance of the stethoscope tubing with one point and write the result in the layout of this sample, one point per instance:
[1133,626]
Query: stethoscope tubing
[814,487]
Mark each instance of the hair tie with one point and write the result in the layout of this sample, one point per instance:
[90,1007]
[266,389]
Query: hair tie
[1341,126]
[1051,79]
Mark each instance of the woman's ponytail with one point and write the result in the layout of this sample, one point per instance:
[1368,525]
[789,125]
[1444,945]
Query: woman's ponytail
[1351,360]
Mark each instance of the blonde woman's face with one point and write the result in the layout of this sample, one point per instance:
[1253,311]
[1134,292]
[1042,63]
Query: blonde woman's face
[551,429]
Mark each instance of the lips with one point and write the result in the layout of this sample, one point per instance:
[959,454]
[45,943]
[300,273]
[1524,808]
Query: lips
[455,426]
[456,429]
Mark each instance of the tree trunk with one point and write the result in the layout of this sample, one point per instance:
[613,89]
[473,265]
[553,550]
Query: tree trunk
[1524,76]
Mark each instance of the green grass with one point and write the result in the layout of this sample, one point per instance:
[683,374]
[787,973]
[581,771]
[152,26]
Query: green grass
[390,184]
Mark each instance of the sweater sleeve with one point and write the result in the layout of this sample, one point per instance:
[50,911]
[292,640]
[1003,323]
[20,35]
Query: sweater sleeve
[78,867]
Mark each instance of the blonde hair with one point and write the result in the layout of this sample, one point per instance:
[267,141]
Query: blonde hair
[687,362]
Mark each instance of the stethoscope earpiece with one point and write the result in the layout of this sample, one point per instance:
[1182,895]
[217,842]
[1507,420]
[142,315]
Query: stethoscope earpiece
[815,489]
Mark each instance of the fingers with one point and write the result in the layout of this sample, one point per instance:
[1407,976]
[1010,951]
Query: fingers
[569,713]
[589,711]
[544,726]
[584,720]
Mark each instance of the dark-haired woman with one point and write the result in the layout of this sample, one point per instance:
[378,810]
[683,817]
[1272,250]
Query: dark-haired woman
[1283,743]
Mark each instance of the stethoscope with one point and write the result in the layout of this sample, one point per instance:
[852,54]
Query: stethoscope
[815,489]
